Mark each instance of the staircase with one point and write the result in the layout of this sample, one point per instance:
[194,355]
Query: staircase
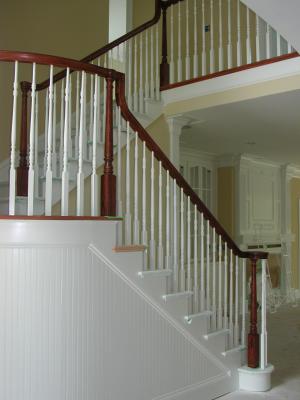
[166,247]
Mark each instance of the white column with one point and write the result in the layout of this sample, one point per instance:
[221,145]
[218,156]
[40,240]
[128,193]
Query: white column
[175,129]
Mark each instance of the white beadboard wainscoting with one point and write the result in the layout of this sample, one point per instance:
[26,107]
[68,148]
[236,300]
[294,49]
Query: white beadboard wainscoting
[76,326]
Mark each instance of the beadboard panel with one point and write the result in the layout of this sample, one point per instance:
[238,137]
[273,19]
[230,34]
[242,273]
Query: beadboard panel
[72,328]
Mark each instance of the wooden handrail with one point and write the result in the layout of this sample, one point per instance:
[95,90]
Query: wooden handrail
[60,62]
[175,174]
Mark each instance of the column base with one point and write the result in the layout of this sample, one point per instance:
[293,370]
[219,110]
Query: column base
[255,379]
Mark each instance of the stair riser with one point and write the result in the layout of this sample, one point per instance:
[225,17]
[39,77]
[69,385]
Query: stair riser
[156,286]
[177,307]
[217,344]
[198,327]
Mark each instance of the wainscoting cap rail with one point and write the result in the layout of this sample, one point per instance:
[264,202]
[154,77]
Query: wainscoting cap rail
[60,62]
[175,174]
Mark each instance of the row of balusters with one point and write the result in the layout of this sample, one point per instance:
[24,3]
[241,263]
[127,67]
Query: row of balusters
[203,37]
[74,122]
[158,214]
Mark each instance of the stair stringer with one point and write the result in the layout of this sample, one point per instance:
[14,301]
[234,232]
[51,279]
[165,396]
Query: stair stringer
[191,372]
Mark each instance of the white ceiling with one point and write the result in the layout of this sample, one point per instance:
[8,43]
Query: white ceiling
[283,15]
[271,122]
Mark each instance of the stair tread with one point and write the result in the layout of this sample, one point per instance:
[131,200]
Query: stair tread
[206,313]
[178,294]
[162,272]
[216,333]
[129,248]
[233,350]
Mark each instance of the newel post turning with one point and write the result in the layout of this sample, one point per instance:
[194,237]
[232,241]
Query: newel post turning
[22,170]
[253,337]
[164,66]
[108,179]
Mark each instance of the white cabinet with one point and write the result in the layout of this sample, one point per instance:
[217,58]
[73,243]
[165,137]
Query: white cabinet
[258,193]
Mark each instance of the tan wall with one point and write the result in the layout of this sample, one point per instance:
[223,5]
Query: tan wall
[226,199]
[143,11]
[295,197]
[64,28]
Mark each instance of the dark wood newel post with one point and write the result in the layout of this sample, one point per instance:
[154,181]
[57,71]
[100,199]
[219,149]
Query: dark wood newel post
[164,66]
[253,337]
[108,179]
[22,170]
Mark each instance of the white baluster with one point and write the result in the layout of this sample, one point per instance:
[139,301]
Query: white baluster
[231,301]
[152,218]
[196,287]
[187,58]
[221,284]
[172,63]
[203,40]
[196,58]
[77,117]
[80,174]
[104,103]
[152,84]
[212,44]
[236,322]
[278,44]
[62,119]
[136,229]
[46,128]
[12,170]
[49,173]
[147,87]
[36,147]
[65,171]
[264,334]
[130,104]
[239,42]
[179,60]
[244,283]
[141,92]
[31,172]
[221,52]
[257,21]
[225,322]
[202,263]
[248,40]
[208,266]
[94,176]
[229,45]
[182,255]
[167,262]
[144,201]
[175,239]
[160,250]
[157,76]
[214,291]
[119,167]
[188,246]
[91,109]
[128,213]
[54,153]
[268,42]
[70,149]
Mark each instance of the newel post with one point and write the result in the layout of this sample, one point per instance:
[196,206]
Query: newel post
[22,170]
[253,337]
[164,66]
[108,179]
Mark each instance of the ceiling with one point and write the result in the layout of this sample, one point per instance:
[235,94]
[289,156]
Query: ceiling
[267,127]
[283,15]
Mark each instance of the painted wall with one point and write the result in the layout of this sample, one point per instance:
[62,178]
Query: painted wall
[226,208]
[295,197]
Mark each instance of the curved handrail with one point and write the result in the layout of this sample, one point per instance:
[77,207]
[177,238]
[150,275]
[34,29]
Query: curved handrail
[60,62]
[113,44]
[175,174]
